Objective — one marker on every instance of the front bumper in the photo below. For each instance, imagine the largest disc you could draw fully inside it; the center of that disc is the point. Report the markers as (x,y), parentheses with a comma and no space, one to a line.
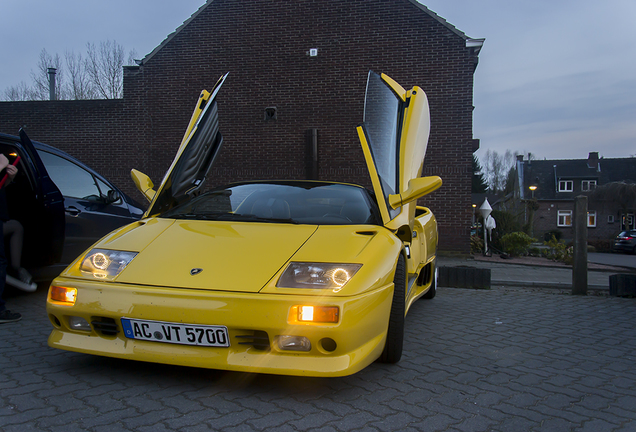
(336,349)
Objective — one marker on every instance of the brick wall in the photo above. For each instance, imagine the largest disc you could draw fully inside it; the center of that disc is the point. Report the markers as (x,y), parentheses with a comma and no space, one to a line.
(264,45)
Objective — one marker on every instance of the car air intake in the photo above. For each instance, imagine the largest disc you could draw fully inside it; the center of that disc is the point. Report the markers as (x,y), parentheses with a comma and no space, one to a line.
(258,339)
(105,326)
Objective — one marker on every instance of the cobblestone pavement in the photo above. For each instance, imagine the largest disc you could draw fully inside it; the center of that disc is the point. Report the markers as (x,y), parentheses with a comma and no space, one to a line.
(475,360)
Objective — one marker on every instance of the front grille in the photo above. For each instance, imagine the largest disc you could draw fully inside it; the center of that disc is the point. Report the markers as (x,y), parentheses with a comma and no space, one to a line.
(105,326)
(257,338)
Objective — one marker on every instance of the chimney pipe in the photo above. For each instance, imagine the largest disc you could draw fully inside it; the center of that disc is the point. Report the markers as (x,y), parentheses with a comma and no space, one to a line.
(592,161)
(52,72)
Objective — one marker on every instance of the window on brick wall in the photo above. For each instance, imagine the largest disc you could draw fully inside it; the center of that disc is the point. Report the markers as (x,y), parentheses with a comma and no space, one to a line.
(588,185)
(566,185)
(591,219)
(564,218)
(610,219)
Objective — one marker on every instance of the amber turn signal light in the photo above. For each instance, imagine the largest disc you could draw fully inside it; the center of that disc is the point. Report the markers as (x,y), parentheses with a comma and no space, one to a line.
(314,314)
(63,294)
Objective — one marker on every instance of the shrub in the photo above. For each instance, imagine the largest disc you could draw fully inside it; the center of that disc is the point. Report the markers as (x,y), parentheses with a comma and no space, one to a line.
(506,224)
(552,233)
(558,251)
(476,244)
(601,245)
(516,243)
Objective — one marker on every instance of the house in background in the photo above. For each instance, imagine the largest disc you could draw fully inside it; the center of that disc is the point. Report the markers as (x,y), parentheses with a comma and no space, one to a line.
(547,189)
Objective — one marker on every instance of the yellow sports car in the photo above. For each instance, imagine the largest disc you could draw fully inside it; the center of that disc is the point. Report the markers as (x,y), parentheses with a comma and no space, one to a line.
(283,277)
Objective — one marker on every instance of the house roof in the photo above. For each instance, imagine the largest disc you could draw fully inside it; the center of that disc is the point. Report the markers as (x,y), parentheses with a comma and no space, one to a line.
(545,174)
(475,44)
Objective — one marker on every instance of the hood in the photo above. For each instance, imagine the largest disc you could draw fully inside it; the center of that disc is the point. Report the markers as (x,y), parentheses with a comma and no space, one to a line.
(231,256)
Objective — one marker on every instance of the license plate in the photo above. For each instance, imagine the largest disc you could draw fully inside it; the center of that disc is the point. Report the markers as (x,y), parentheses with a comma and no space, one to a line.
(176,333)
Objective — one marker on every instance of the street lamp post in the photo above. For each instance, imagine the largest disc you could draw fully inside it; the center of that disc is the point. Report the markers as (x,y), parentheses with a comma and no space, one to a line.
(485,211)
(532,188)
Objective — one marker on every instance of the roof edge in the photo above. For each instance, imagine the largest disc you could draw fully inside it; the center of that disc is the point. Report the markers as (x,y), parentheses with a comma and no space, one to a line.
(174,33)
(442,21)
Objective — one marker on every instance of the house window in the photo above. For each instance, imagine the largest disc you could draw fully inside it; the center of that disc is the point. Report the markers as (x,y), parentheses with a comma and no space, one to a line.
(566,185)
(564,218)
(588,185)
(610,219)
(591,219)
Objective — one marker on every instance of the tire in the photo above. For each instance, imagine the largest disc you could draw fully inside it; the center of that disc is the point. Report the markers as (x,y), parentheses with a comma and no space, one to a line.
(395,334)
(433,290)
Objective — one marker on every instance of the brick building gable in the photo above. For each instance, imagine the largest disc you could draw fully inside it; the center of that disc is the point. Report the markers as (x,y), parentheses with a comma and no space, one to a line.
(265,46)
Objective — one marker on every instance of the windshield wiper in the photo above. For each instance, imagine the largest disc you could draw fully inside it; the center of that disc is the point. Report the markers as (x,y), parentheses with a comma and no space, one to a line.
(254,218)
(230,217)
(196,216)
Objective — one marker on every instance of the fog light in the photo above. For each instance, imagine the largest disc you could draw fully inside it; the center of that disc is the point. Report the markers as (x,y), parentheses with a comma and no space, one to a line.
(293,343)
(313,314)
(63,295)
(78,323)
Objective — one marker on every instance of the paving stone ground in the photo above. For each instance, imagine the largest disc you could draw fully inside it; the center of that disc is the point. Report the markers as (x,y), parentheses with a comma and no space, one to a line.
(503,360)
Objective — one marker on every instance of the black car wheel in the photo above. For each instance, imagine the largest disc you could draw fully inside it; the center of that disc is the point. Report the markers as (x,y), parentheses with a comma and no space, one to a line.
(395,335)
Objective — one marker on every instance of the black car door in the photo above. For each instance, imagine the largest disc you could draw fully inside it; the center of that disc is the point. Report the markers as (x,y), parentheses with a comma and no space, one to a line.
(92,207)
(35,201)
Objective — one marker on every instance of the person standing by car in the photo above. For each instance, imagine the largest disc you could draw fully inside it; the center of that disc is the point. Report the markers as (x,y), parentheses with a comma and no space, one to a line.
(5,314)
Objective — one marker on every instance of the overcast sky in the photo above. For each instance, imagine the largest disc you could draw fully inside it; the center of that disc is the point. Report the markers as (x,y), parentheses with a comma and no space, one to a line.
(555,78)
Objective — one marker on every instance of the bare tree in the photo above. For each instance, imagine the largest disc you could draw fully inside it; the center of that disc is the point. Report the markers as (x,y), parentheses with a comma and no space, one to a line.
(497,169)
(98,75)
(79,85)
(104,66)
(20,92)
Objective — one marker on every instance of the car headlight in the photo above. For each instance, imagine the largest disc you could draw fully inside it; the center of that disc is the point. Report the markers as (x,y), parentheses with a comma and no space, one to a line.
(106,264)
(317,275)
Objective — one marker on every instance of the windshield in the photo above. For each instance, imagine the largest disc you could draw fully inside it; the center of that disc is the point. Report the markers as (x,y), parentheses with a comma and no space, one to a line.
(312,203)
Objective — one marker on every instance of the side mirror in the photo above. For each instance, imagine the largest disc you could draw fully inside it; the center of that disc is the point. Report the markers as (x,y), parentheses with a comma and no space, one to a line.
(113,196)
(144,184)
(418,187)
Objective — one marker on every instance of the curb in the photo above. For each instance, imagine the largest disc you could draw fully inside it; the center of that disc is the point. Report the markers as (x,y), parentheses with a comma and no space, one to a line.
(558,285)
(526,284)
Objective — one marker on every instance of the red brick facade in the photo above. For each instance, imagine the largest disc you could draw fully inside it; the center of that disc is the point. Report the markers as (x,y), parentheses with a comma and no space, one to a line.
(265,46)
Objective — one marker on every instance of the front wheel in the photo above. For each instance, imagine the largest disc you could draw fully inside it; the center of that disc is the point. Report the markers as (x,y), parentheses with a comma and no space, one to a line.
(395,335)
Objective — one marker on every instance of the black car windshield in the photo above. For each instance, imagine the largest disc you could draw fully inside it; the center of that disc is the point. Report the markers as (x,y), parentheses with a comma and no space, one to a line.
(299,202)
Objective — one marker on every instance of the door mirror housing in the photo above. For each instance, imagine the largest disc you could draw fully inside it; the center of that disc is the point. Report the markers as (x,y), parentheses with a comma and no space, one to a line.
(144,184)
(112,197)
(418,187)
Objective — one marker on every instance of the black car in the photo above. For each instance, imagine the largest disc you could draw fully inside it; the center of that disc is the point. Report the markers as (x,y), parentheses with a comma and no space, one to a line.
(625,242)
(63,205)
